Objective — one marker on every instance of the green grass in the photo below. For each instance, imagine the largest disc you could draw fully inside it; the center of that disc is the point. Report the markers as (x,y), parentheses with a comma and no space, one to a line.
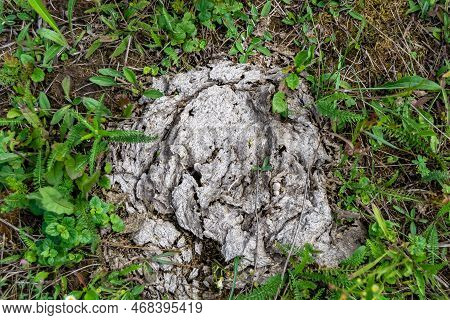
(392,128)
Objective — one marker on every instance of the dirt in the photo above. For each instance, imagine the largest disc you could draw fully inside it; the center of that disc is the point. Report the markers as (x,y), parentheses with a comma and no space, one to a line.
(385,43)
(11,218)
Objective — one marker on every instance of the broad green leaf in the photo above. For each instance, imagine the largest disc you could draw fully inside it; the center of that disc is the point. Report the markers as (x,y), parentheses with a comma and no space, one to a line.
(75,166)
(58,115)
(233,51)
(304,58)
(26,59)
(292,81)
(94,46)
(420,283)
(86,183)
(153,94)
(66,84)
(30,256)
(356,15)
(41,276)
(44,103)
(23,33)
(55,174)
(108,168)
(153,70)
(191,45)
(53,36)
(103,81)
(264,51)
(95,106)
(137,290)
(116,223)
(54,201)
(121,47)
(244,58)
(412,83)
(38,75)
(31,116)
(266,9)
(7,157)
(13,113)
(51,53)
(104,183)
(239,46)
(91,294)
(166,18)
(110,23)
(254,12)
(279,104)
(63,232)
(52,230)
(110,72)
(129,75)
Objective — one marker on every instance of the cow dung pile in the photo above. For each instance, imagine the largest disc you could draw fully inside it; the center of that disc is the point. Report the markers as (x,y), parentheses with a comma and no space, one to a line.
(225,178)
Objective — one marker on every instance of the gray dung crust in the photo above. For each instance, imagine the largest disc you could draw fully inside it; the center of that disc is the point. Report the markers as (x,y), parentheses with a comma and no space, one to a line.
(196,187)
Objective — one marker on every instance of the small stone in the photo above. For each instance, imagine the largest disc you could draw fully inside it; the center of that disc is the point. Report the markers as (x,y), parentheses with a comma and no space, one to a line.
(193,274)
(186,254)
(276,189)
(198,246)
(181,243)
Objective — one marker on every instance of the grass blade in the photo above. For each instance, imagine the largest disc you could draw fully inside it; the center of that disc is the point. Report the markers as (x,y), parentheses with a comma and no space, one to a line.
(70,7)
(39,7)
(53,36)
(121,47)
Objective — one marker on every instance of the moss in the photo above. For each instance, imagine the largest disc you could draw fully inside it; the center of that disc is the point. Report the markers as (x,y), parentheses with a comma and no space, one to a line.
(383,11)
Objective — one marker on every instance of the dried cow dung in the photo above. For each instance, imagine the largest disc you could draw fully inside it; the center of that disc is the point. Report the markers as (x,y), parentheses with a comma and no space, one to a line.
(197,186)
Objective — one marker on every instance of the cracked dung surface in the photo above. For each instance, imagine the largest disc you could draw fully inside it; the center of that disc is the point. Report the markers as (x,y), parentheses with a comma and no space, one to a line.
(195,187)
